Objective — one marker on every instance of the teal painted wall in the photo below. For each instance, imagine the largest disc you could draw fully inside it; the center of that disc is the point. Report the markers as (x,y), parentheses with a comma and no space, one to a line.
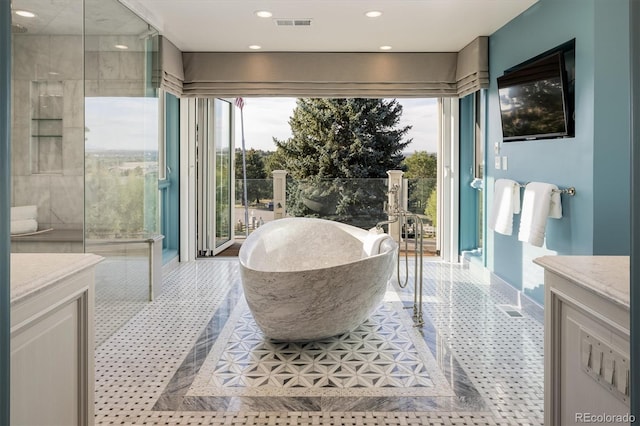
(595,161)
(468,231)
(171,198)
(611,167)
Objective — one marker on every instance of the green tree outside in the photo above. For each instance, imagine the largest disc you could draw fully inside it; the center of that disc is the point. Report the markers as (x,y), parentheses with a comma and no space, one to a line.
(422,178)
(337,147)
(258,185)
(113,198)
(431,210)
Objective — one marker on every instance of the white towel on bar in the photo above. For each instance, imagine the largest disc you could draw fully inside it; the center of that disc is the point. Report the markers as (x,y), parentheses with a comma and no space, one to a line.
(541,200)
(506,203)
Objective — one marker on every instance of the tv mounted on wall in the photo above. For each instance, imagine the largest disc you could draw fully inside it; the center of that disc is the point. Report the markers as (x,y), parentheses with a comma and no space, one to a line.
(534,100)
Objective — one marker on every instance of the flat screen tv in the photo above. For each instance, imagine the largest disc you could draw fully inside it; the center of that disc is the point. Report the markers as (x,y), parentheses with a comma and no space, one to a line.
(533,100)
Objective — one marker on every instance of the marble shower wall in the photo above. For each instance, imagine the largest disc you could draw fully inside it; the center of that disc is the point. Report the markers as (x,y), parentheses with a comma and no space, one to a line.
(51,71)
(113,72)
(48,128)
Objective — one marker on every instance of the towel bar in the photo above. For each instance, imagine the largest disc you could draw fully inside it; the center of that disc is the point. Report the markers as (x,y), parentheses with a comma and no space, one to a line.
(569,191)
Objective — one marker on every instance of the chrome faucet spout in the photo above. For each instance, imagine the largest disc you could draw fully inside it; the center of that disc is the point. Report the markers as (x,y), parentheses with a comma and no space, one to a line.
(393,219)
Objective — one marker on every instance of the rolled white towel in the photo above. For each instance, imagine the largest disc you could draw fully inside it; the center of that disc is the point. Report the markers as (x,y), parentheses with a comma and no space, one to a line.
(24,226)
(24,213)
(372,242)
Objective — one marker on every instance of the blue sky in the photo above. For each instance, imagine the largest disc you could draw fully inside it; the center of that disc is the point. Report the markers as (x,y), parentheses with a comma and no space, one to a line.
(265,118)
(121,123)
(132,123)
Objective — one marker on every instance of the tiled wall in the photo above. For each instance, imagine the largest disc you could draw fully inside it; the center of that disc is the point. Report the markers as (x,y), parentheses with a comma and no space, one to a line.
(113,72)
(48,170)
(52,179)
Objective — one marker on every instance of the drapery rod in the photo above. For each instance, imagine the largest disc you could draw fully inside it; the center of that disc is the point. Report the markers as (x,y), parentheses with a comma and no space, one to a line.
(570,191)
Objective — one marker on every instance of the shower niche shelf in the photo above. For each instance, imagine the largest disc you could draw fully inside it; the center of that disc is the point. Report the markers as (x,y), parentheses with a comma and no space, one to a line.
(46,127)
(46,145)
(47,108)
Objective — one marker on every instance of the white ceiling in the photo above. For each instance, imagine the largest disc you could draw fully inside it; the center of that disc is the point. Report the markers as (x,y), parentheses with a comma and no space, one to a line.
(65,17)
(337,25)
(231,25)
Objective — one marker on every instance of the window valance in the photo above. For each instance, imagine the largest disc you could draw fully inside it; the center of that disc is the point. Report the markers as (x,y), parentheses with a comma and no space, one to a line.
(325,74)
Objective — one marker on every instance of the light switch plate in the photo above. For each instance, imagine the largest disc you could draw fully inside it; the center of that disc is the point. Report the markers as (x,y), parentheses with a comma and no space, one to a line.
(497,160)
(504,162)
(605,363)
(622,374)
(596,360)
(609,366)
(586,353)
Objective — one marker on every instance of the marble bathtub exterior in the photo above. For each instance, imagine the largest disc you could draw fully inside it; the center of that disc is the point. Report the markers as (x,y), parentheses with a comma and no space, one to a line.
(306,279)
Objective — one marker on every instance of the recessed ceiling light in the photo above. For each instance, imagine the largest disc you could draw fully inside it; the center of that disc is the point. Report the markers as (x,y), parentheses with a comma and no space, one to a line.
(255,47)
(121,46)
(25,14)
(373,14)
(264,14)
(385,47)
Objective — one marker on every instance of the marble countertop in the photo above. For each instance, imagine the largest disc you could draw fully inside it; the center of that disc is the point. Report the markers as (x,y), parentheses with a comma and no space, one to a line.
(608,276)
(32,273)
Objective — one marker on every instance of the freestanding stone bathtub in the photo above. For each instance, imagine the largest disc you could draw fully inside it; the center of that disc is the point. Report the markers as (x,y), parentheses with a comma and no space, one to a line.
(307,279)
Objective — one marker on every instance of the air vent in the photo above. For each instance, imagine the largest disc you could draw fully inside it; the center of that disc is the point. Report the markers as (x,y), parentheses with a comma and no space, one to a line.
(281,22)
(511,311)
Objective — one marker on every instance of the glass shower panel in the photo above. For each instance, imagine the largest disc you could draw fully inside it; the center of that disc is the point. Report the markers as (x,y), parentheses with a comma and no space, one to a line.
(222,138)
(121,159)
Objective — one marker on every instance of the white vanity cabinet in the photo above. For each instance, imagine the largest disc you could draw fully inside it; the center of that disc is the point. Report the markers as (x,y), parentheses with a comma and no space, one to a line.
(52,376)
(586,352)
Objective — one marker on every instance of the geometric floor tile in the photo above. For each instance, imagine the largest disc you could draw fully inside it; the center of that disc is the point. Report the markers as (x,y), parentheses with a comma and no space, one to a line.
(385,356)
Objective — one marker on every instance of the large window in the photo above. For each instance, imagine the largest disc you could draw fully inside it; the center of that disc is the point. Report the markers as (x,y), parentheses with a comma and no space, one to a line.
(121,167)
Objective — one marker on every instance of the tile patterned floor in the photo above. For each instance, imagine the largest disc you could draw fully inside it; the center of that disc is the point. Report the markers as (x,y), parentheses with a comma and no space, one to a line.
(122,290)
(384,356)
(194,357)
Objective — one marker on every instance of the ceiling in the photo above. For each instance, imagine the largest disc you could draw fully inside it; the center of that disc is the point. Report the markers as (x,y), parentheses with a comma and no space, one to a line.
(232,25)
(336,25)
(64,17)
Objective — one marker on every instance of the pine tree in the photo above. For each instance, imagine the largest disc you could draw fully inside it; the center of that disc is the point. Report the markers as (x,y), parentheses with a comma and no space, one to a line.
(337,150)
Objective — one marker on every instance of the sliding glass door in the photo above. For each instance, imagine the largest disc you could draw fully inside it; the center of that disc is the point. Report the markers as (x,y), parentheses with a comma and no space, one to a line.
(223,148)
(214,175)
